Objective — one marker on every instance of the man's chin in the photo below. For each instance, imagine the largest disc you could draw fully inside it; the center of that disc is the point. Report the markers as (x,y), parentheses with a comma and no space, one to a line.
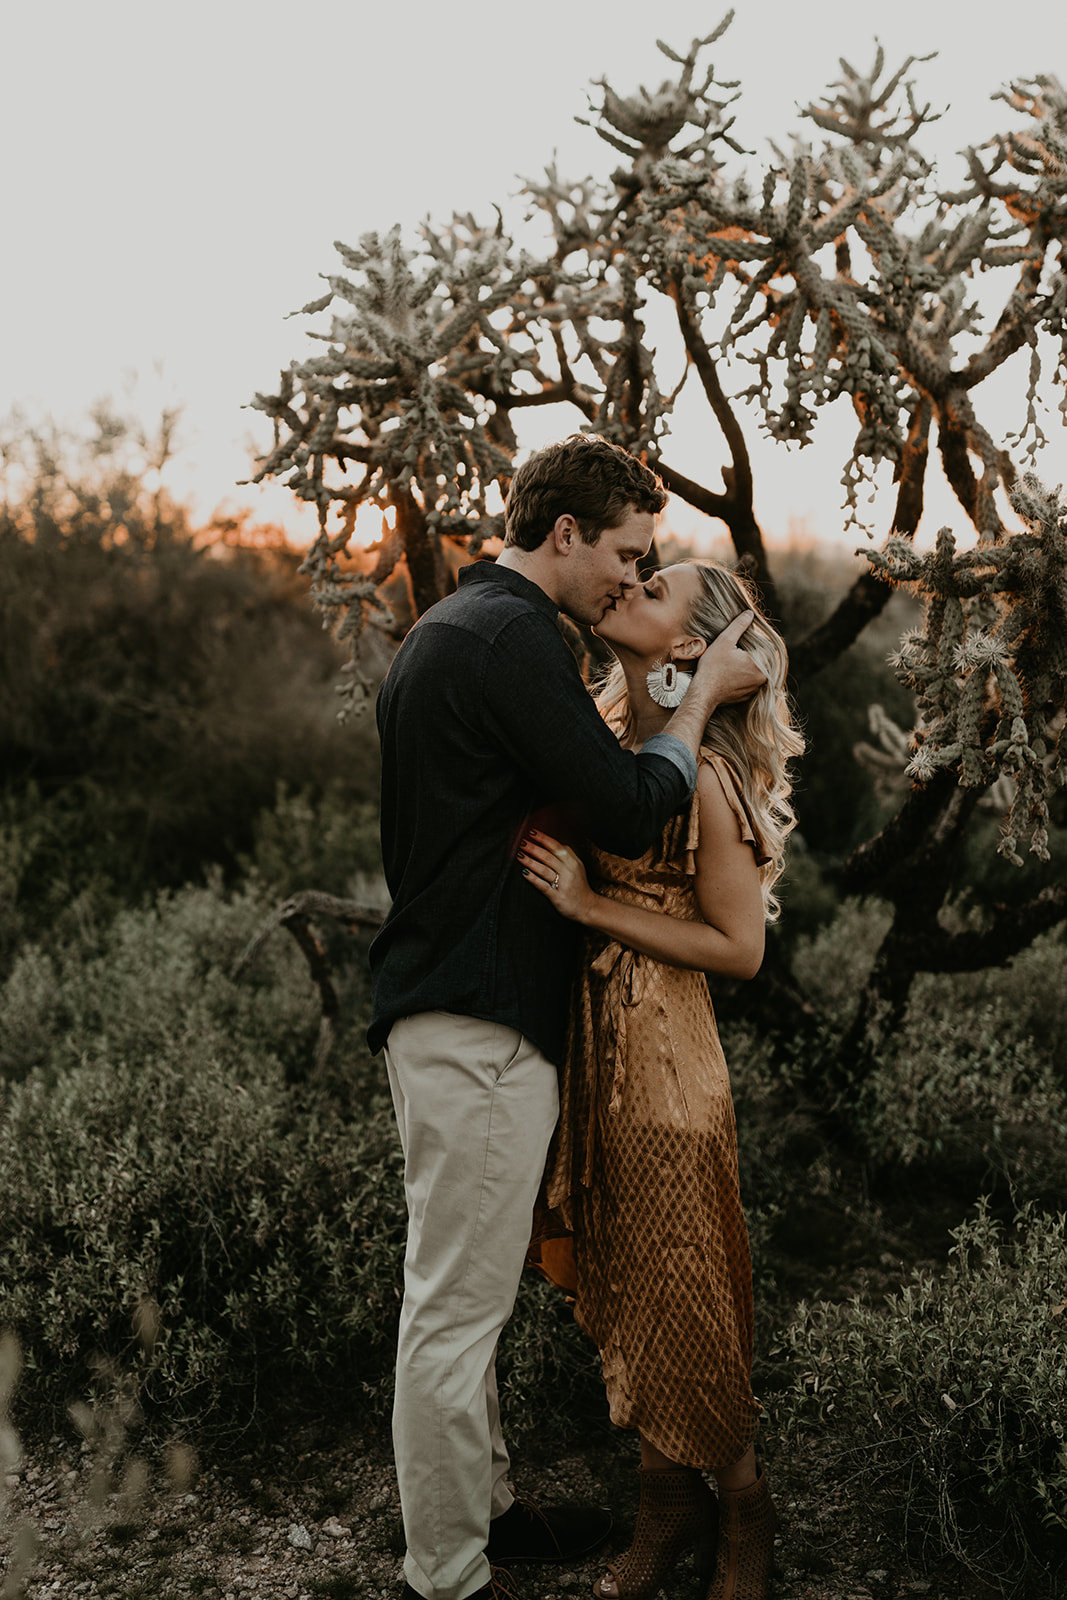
(589,616)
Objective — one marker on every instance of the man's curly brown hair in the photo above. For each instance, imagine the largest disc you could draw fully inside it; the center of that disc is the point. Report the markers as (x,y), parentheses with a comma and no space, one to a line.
(585,477)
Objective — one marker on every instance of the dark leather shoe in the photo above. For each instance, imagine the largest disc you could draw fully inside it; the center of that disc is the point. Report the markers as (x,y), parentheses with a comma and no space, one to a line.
(529,1532)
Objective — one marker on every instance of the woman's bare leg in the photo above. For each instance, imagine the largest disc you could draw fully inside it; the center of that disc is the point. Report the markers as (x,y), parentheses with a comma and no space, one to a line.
(651,1457)
(739,1476)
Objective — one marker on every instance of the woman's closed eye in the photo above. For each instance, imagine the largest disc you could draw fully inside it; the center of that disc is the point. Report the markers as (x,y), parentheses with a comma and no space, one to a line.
(651,593)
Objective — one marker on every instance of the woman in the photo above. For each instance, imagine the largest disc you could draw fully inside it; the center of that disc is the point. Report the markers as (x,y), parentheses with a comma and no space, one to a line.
(643,1169)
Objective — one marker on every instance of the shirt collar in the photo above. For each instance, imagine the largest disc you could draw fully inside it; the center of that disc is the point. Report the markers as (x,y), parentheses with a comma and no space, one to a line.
(490,572)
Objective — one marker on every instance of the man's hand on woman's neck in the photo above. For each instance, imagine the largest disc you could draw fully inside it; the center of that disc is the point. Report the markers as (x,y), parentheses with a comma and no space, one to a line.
(724,675)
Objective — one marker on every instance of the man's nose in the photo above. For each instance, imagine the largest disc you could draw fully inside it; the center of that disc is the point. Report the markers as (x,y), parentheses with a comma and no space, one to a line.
(629,577)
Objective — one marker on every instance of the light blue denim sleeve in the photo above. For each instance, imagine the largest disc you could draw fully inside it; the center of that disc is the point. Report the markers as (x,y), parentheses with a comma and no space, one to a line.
(673,750)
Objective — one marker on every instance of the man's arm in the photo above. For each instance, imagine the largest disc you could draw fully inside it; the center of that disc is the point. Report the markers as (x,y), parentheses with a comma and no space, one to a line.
(541,713)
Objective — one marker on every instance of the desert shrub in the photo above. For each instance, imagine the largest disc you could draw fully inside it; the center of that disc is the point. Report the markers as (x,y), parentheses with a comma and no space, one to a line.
(973,1080)
(156,1154)
(832,964)
(219,1241)
(256,1239)
(810,898)
(323,841)
(162,975)
(953,1103)
(975,1076)
(948,1399)
(49,885)
(548,1371)
(157,683)
(1017,1003)
(109,978)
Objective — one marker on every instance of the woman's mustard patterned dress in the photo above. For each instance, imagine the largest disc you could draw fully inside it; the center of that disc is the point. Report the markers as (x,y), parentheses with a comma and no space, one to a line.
(643,1171)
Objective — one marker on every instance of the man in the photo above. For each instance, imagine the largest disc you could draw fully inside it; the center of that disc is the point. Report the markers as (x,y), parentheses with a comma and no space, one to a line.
(485,722)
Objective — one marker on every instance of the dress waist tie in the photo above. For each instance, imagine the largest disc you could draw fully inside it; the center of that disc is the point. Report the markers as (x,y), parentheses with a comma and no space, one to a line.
(627,978)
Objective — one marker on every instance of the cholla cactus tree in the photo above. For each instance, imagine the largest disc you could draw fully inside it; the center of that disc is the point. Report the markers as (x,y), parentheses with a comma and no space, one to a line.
(842,274)
(845,275)
(397,395)
(989,671)
(989,666)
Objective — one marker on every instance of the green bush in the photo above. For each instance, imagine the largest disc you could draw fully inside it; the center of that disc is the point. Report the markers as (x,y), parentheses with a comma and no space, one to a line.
(959,1089)
(1023,1001)
(326,841)
(949,1399)
(110,979)
(257,1239)
(256,1234)
(974,1077)
(548,1371)
(167,1163)
(163,975)
(157,684)
(810,899)
(154,1152)
(831,966)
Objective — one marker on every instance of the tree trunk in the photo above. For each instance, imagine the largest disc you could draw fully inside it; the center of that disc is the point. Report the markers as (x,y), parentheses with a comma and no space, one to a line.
(744,530)
(869,595)
(428,575)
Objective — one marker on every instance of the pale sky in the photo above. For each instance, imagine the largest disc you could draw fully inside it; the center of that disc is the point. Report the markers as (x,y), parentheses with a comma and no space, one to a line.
(175,175)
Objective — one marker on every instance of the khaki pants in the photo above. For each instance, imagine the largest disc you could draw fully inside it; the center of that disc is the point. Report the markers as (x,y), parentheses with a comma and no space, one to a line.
(475,1103)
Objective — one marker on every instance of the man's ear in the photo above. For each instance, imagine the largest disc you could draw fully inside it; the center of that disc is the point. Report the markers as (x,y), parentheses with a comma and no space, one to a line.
(690,649)
(564,535)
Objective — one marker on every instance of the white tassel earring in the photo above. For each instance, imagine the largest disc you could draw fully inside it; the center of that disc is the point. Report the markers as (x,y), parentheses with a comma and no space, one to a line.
(667,685)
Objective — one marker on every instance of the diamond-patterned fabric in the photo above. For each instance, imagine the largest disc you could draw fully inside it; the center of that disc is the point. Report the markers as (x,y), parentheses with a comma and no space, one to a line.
(643,1171)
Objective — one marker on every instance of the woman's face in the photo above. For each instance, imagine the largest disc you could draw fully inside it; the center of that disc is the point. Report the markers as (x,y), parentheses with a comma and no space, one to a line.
(652,618)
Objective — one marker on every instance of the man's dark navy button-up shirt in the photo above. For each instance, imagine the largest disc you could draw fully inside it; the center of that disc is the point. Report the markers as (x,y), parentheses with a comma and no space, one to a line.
(486,728)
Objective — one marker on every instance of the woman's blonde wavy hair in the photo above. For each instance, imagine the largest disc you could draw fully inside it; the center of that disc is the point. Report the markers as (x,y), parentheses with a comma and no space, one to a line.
(757,737)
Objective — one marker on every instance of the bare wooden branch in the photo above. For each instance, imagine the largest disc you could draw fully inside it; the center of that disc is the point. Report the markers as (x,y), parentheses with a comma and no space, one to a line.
(309,903)
(293,915)
(1013,929)
(426,569)
(745,531)
(896,842)
(565,390)
(693,493)
(697,350)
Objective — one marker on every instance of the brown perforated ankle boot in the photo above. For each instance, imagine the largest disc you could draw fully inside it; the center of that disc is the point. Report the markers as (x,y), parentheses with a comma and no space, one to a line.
(676,1513)
(747,1520)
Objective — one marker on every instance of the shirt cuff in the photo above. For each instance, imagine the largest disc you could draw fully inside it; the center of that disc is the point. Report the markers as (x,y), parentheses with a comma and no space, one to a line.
(673,750)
